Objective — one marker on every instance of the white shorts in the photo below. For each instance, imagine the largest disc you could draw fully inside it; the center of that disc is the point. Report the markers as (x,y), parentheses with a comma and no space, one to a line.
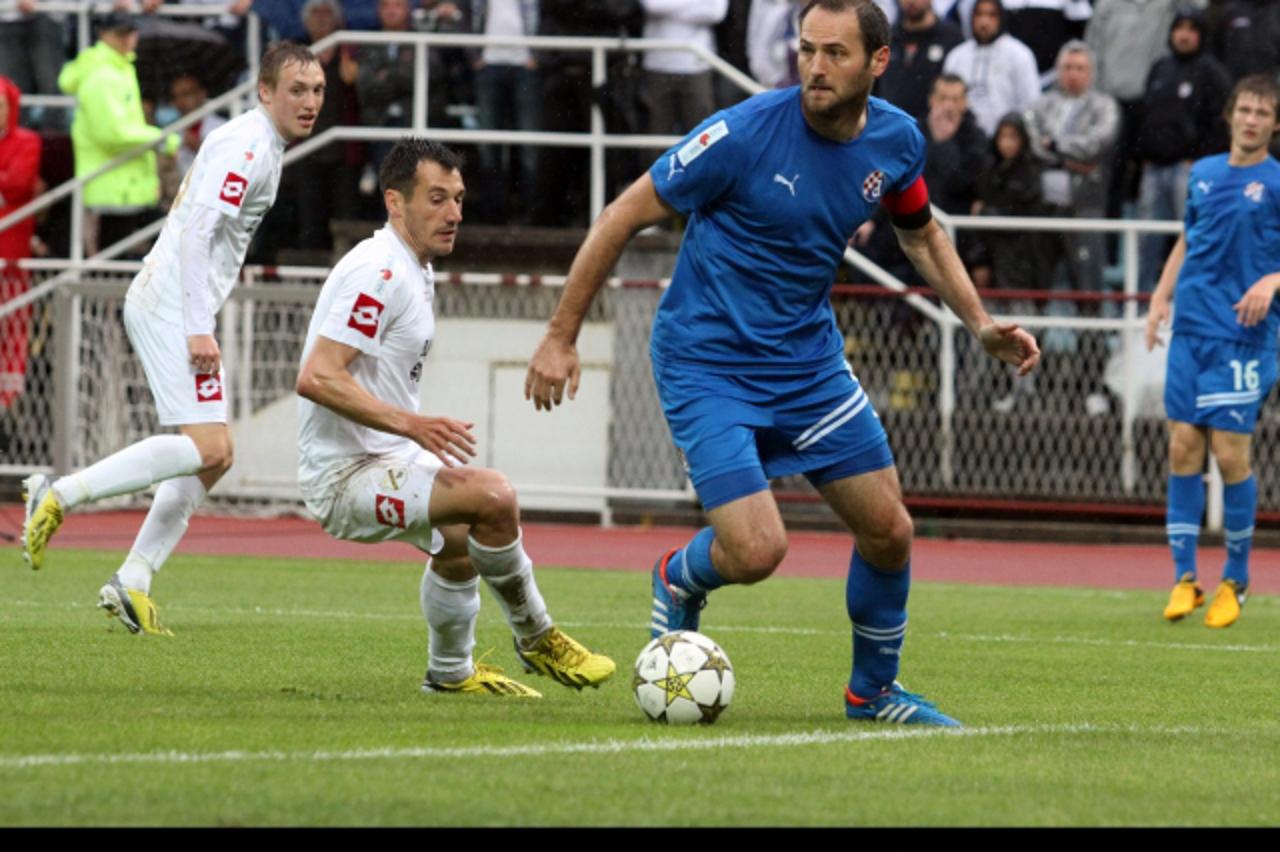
(183,397)
(384,498)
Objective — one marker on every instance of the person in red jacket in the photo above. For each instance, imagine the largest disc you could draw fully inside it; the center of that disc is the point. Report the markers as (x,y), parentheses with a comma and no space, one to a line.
(19,176)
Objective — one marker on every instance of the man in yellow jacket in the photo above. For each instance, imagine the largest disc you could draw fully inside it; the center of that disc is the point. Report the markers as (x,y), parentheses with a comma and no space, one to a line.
(109,121)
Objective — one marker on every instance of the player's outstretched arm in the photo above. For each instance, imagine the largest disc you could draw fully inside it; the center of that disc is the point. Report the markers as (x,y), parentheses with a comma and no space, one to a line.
(931,252)
(326,380)
(554,367)
(1162,299)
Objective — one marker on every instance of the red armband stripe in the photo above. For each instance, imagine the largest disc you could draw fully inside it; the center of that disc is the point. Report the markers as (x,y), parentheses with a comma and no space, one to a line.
(909,201)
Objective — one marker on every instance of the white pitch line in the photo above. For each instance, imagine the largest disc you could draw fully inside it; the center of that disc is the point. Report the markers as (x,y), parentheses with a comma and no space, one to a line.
(607,747)
(1107,643)
(720,628)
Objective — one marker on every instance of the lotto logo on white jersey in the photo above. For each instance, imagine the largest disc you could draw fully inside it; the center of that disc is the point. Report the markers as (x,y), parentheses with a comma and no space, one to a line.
(365,316)
(233,189)
(208,387)
(390,511)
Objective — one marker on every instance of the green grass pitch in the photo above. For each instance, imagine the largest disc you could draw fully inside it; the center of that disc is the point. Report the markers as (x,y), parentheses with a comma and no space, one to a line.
(289,696)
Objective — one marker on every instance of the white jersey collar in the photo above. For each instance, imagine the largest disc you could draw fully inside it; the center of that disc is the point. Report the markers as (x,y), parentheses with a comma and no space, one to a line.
(275,133)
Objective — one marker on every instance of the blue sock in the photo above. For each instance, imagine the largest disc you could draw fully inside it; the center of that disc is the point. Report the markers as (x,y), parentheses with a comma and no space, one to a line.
(1239,506)
(691,568)
(1184,509)
(877,604)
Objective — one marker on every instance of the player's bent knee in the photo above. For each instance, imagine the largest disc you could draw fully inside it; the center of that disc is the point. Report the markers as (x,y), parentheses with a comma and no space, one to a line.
(757,559)
(889,546)
(496,499)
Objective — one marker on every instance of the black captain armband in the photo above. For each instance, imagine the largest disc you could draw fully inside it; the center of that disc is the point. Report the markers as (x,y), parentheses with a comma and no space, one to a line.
(910,208)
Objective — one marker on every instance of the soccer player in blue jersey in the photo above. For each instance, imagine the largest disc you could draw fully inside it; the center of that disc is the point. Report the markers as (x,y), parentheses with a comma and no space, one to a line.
(1225,268)
(749,363)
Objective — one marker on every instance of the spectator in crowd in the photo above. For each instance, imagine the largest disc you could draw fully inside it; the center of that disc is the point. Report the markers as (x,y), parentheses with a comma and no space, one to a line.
(567,94)
(999,70)
(1247,39)
(19,183)
(958,149)
(1045,25)
(187,94)
(918,46)
(773,36)
(30,47)
(1127,37)
(383,78)
(1183,103)
(1076,127)
(506,82)
(679,84)
(109,120)
(1075,131)
(1010,260)
(283,18)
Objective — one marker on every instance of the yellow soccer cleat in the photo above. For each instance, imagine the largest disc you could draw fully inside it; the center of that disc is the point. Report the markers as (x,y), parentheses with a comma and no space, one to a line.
(562,658)
(1227,602)
(43,517)
(1184,598)
(135,609)
(485,680)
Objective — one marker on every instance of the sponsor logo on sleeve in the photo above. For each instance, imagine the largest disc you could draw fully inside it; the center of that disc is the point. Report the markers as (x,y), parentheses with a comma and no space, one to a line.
(208,387)
(365,315)
(694,148)
(233,189)
(390,511)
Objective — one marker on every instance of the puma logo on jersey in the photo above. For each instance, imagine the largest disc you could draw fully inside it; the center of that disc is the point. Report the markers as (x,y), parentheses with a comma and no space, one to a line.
(365,315)
(390,511)
(673,168)
(1204,186)
(208,387)
(233,189)
(789,184)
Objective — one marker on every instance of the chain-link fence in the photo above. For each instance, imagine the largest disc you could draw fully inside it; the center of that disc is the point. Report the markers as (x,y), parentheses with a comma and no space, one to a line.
(1059,438)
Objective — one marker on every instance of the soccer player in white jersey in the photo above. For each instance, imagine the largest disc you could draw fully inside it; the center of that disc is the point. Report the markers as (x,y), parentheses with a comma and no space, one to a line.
(373,469)
(169,315)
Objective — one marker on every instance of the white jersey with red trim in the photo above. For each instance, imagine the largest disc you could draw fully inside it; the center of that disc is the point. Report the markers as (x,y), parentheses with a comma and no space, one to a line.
(236,172)
(378,299)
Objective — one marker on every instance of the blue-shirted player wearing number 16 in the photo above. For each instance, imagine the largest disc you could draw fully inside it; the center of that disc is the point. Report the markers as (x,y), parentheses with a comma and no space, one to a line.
(1222,358)
(749,363)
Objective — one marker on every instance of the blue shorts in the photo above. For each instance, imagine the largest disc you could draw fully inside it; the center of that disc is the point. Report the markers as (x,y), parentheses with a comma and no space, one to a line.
(736,432)
(1217,383)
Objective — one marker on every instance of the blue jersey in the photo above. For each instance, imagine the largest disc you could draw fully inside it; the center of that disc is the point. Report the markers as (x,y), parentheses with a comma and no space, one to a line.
(1233,238)
(771,206)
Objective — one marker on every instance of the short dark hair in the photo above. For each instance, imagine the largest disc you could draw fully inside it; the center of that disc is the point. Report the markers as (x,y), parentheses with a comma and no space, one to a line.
(871,20)
(400,166)
(279,54)
(1262,85)
(952,79)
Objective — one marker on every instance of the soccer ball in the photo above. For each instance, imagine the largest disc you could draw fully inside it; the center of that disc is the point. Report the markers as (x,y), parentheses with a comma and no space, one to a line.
(683,677)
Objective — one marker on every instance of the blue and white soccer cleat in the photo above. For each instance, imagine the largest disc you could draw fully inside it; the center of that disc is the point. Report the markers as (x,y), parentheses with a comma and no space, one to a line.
(897,706)
(673,607)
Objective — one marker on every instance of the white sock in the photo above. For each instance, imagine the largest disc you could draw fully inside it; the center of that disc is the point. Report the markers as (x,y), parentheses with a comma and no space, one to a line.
(134,468)
(176,501)
(450,609)
(509,573)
